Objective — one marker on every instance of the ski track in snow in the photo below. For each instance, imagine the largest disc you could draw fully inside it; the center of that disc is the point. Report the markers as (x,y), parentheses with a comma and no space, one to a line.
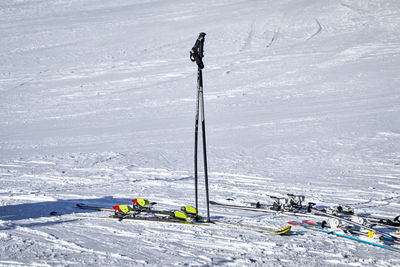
(318,30)
(97,106)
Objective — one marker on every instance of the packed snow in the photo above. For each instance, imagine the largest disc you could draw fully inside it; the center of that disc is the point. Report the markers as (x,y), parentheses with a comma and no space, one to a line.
(97,107)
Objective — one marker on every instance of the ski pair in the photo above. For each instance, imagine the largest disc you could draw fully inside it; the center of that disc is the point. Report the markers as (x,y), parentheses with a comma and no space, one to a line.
(309,211)
(352,235)
(316,213)
(334,224)
(264,209)
(142,206)
(152,215)
(293,203)
(359,224)
(349,214)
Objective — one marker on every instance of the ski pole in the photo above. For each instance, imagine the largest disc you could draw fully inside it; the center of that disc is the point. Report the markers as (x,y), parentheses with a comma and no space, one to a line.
(203,128)
(196,55)
(196,133)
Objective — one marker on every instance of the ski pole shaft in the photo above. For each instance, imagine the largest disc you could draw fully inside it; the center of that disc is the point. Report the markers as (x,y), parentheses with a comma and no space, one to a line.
(196,55)
(203,128)
(196,134)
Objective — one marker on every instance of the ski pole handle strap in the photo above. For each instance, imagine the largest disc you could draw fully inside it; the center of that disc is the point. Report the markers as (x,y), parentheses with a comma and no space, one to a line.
(197,52)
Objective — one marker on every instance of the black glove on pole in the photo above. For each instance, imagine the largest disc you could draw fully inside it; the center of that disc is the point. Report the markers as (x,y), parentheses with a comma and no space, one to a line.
(196,55)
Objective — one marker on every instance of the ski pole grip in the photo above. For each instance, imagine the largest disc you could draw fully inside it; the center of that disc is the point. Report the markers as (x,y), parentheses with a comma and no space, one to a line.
(197,52)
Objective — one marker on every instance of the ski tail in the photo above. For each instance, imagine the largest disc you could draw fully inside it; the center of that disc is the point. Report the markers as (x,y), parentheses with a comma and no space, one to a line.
(282,231)
(259,229)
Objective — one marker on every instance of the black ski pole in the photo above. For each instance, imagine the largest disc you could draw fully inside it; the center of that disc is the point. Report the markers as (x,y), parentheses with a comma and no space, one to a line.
(203,128)
(196,134)
(196,55)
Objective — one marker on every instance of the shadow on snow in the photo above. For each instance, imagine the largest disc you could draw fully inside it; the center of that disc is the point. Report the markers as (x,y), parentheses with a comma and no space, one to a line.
(59,207)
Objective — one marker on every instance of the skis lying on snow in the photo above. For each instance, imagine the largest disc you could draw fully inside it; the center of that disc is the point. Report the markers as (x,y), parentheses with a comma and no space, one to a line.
(301,213)
(345,212)
(343,222)
(354,223)
(265,209)
(352,234)
(142,210)
(292,205)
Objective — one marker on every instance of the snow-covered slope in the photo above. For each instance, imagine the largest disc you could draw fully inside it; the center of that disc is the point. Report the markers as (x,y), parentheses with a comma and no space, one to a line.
(97,105)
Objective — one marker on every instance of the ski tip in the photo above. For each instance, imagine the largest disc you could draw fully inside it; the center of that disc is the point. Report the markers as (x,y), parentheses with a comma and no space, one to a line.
(283,231)
(286,229)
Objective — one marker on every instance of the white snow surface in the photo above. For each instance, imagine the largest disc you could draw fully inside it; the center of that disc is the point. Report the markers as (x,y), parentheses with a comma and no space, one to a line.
(98,102)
